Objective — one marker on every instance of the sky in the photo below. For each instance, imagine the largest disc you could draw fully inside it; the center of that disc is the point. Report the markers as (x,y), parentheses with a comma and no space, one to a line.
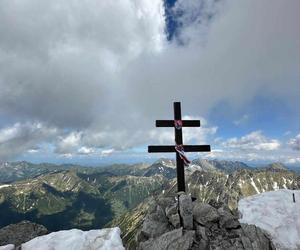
(84,81)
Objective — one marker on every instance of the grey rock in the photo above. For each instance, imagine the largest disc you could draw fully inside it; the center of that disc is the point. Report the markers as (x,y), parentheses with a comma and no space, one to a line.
(185,242)
(200,232)
(161,242)
(175,220)
(205,213)
(257,237)
(227,219)
(173,240)
(20,233)
(231,223)
(246,242)
(209,229)
(202,244)
(186,211)
(155,224)
(152,229)
(164,202)
(173,216)
(171,210)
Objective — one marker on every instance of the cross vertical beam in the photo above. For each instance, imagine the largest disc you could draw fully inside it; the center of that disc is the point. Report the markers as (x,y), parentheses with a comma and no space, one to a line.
(178,140)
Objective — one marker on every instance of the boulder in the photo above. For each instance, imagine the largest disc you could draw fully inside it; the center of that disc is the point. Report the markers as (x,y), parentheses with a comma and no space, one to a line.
(173,240)
(227,219)
(21,232)
(173,215)
(155,224)
(186,211)
(175,220)
(257,237)
(204,213)
(164,202)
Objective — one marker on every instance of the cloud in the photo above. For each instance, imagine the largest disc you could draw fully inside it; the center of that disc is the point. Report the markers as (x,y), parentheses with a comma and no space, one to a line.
(254,147)
(294,143)
(86,151)
(68,144)
(19,138)
(104,71)
(292,160)
(190,135)
(253,141)
(63,65)
(107,152)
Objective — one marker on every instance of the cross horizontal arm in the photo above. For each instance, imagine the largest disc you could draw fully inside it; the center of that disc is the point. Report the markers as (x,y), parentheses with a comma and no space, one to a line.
(161,149)
(196,148)
(170,123)
(171,149)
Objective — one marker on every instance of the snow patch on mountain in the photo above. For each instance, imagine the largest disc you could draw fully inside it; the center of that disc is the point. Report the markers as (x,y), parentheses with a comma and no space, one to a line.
(276,213)
(74,239)
(166,162)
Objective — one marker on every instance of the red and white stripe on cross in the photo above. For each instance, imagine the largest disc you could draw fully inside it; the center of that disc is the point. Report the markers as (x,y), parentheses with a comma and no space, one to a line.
(179,149)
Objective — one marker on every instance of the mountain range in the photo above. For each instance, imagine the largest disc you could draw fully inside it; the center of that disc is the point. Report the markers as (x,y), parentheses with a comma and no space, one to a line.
(68,196)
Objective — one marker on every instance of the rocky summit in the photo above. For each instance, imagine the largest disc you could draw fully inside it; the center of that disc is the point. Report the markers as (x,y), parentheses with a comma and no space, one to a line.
(185,224)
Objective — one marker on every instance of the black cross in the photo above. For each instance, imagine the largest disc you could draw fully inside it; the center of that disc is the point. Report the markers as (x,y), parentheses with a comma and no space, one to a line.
(178,140)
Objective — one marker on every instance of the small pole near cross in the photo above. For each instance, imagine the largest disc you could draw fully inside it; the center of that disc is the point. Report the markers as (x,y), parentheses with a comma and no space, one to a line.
(294,200)
(178,148)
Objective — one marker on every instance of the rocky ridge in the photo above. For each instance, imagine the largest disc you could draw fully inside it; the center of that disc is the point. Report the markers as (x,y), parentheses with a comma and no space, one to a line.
(183,224)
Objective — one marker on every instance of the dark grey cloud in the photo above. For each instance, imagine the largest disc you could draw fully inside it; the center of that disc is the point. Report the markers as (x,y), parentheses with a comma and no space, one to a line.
(21,138)
(61,60)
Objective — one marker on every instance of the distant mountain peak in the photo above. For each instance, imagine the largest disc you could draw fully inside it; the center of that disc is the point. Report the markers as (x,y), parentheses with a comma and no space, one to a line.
(166,162)
(276,166)
(220,165)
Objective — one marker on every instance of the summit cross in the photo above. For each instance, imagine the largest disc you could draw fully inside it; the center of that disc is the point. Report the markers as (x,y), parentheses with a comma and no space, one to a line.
(177,124)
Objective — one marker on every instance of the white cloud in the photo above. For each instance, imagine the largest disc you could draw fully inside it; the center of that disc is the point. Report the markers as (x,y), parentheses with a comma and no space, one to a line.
(253,147)
(107,152)
(33,151)
(86,151)
(69,143)
(293,160)
(253,141)
(294,143)
(190,135)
